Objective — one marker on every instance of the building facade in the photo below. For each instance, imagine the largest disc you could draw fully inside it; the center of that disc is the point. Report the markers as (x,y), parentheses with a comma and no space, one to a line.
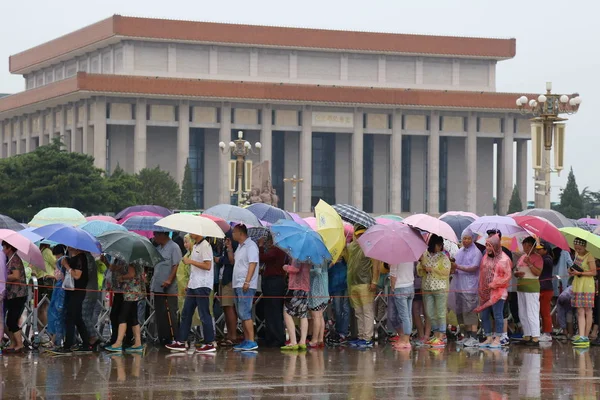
(389,123)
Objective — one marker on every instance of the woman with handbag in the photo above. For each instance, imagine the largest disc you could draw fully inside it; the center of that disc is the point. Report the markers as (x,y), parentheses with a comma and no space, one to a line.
(16,296)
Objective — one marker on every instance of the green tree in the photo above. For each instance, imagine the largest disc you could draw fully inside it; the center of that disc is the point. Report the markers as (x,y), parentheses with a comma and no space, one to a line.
(571,204)
(515,204)
(122,190)
(50,177)
(591,202)
(187,190)
(159,188)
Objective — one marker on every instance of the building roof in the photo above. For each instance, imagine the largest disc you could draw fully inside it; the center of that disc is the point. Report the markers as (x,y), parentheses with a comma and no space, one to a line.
(84,85)
(120,27)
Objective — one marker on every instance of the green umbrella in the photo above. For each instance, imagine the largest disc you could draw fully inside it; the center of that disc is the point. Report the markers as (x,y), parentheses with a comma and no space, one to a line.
(130,246)
(593,241)
(57,215)
(391,217)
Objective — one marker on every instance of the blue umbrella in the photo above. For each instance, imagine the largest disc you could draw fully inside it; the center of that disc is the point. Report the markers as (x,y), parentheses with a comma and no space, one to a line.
(98,227)
(458,223)
(150,208)
(29,234)
(233,214)
(143,223)
(266,212)
(300,242)
(70,236)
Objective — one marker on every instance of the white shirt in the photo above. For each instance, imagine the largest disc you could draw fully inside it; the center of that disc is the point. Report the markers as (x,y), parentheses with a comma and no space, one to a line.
(404,274)
(245,254)
(201,278)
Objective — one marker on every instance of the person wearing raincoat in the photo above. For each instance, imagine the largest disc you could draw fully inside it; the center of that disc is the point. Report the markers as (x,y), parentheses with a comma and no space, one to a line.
(183,277)
(495,274)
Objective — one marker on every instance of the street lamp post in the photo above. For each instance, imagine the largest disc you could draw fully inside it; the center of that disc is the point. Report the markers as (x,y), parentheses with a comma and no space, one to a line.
(547,126)
(240,148)
(294,181)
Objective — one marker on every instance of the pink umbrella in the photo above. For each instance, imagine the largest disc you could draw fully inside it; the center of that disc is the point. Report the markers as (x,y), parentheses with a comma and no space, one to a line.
(106,218)
(589,221)
(394,243)
(219,221)
(26,249)
(384,221)
(348,231)
(433,225)
(543,229)
(460,213)
(311,222)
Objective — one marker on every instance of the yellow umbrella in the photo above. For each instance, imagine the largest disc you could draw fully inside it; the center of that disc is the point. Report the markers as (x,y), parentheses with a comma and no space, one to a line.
(331,229)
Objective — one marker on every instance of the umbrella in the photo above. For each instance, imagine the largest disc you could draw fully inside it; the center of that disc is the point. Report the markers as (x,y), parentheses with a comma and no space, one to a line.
(57,215)
(331,229)
(348,231)
(139,223)
(390,217)
(459,213)
(138,214)
(106,218)
(192,224)
(158,210)
(593,240)
(267,212)
(26,249)
(70,236)
(394,243)
(543,229)
(32,236)
(257,233)
(98,227)
(384,221)
(298,219)
(432,225)
(458,223)
(354,216)
(219,221)
(450,248)
(233,214)
(9,223)
(300,242)
(589,221)
(131,247)
(559,220)
(311,222)
(506,225)
(584,225)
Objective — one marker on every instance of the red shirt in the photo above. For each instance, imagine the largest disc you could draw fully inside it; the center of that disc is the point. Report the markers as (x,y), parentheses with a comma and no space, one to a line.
(274,260)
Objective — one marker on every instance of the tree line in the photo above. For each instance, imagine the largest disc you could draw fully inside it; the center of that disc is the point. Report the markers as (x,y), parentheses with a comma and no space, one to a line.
(51,176)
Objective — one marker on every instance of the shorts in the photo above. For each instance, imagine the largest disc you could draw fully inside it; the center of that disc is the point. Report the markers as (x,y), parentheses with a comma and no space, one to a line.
(296,303)
(46,287)
(128,313)
(582,300)
(243,303)
(320,307)
(227,295)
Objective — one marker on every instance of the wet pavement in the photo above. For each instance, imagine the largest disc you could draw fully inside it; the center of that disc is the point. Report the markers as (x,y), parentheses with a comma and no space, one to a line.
(556,372)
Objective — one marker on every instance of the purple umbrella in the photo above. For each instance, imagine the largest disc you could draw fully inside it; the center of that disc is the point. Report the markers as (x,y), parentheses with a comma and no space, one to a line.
(162,211)
(394,243)
(298,219)
(506,225)
(589,221)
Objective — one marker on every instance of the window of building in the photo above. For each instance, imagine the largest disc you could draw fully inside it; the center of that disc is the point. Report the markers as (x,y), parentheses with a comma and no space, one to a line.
(515,123)
(478,126)
(466,124)
(443,188)
(368,158)
(501,125)
(273,114)
(71,70)
(30,82)
(441,122)
(49,76)
(389,121)
(323,168)
(403,122)
(83,65)
(278,166)
(95,64)
(39,80)
(427,123)
(196,162)
(58,73)
(364,119)
(405,171)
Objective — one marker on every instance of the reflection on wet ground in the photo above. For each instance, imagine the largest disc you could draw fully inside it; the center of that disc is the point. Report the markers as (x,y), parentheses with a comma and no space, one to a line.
(558,371)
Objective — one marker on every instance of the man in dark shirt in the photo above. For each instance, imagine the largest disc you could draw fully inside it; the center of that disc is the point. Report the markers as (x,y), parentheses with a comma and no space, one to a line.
(273,289)
(226,293)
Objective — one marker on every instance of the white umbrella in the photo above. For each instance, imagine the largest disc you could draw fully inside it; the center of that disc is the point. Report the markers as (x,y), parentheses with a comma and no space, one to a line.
(191,224)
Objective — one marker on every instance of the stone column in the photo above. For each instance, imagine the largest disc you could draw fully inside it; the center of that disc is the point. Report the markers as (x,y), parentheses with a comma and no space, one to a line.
(28,129)
(356,194)
(396,163)
(74,130)
(85,124)
(266,136)
(507,165)
(17,134)
(224,157)
(139,137)
(62,127)
(100,133)
(183,139)
(305,187)
(471,153)
(10,134)
(52,133)
(522,171)
(433,174)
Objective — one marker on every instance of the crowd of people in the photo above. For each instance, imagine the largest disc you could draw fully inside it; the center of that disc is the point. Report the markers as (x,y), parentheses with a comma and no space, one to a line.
(488,290)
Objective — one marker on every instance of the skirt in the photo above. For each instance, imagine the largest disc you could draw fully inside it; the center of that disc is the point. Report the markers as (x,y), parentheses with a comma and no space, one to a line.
(582,300)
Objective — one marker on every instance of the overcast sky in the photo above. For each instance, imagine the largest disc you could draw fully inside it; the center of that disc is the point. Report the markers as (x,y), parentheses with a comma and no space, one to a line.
(555,41)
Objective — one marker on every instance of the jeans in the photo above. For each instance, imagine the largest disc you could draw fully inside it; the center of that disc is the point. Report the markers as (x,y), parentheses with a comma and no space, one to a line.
(273,290)
(341,311)
(197,298)
(400,309)
(436,309)
(497,310)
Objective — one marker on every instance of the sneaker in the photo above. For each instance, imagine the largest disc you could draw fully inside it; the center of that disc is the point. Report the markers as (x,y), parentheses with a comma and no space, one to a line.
(60,351)
(575,338)
(394,338)
(240,346)
(546,337)
(246,346)
(436,343)
(471,342)
(463,341)
(112,349)
(177,346)
(505,341)
(289,347)
(83,350)
(421,342)
(364,344)
(582,341)
(354,343)
(134,349)
(207,348)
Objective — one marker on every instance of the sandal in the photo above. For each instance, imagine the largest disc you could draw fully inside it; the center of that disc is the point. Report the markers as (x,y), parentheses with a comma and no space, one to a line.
(226,343)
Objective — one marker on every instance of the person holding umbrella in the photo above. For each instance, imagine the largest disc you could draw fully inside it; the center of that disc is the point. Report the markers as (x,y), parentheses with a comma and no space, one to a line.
(16,296)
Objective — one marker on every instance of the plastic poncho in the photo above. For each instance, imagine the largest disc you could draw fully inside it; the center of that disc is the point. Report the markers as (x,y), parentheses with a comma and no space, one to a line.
(494,275)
